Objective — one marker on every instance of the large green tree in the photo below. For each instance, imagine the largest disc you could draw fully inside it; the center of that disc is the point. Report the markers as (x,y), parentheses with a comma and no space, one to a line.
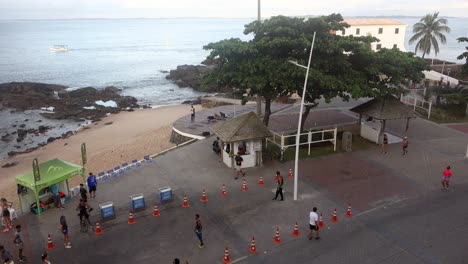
(261,65)
(464,55)
(428,32)
(343,66)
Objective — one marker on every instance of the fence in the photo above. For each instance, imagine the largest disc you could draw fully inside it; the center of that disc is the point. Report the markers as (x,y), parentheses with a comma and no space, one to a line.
(281,141)
(417,103)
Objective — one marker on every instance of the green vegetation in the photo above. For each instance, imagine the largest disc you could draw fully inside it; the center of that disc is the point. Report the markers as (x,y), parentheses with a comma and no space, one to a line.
(451,104)
(464,55)
(343,66)
(428,32)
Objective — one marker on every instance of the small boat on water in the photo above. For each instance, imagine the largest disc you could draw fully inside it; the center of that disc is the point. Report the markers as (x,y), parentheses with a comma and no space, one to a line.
(59,48)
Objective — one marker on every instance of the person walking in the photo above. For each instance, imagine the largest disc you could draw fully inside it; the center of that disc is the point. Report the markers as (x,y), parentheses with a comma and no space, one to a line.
(64,230)
(6,256)
(279,187)
(385,144)
(198,230)
(54,189)
(45,258)
(405,145)
(92,185)
(6,218)
(83,192)
(176,261)
(239,161)
(192,113)
(446,178)
(19,242)
(313,224)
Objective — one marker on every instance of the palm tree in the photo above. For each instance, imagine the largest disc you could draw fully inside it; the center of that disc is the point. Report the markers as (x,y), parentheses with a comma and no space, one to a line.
(427,32)
(464,55)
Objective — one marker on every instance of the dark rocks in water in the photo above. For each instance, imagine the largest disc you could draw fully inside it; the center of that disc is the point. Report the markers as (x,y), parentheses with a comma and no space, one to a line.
(13,125)
(22,126)
(22,96)
(191,76)
(39,121)
(26,120)
(145,106)
(67,134)
(108,123)
(52,139)
(21,134)
(164,71)
(6,138)
(65,144)
(192,102)
(43,129)
(10,164)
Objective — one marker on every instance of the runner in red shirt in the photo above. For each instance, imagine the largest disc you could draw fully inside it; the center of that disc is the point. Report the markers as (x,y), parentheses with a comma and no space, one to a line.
(446,177)
(405,145)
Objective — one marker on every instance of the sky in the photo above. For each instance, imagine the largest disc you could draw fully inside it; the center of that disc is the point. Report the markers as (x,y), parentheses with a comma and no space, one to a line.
(69,9)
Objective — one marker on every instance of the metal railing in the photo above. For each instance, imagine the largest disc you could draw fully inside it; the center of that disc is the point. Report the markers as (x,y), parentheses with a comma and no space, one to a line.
(328,135)
(417,103)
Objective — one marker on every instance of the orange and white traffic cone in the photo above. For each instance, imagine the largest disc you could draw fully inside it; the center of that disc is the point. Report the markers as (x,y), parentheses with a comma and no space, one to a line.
(226,258)
(131,220)
(296,230)
(50,244)
(290,173)
(185,204)
(253,248)
(244,186)
(260,182)
(334,217)
(156,211)
(98,230)
(320,223)
(348,212)
(203,197)
(223,191)
(277,239)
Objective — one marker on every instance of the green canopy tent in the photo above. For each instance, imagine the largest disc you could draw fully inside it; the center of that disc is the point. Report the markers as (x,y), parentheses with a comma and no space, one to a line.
(52,172)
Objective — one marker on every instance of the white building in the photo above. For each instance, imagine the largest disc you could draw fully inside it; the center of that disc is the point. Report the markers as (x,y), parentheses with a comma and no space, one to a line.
(391,33)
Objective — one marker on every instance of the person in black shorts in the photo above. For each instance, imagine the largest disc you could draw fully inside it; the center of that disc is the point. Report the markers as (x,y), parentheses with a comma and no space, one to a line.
(83,208)
(313,224)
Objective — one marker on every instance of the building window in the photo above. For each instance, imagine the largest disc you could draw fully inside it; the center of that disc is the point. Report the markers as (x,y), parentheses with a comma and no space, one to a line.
(397,30)
(380,30)
(379,46)
(358,31)
(343,32)
(395,46)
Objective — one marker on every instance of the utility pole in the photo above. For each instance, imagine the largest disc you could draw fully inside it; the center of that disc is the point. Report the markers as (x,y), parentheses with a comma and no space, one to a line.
(259,97)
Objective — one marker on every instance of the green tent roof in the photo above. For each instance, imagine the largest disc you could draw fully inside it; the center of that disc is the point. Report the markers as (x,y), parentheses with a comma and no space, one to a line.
(52,172)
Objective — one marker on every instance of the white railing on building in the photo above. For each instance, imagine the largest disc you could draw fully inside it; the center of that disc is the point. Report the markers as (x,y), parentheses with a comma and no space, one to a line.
(417,103)
(328,135)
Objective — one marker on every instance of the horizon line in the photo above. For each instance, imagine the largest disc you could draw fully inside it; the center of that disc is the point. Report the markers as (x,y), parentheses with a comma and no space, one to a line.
(188,17)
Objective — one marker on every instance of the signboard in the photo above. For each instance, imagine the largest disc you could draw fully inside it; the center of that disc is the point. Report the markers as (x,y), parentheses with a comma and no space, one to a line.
(107,211)
(165,194)
(83,153)
(137,203)
(36,170)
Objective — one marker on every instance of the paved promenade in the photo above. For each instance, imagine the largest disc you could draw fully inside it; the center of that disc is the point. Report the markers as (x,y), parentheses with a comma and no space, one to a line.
(400,213)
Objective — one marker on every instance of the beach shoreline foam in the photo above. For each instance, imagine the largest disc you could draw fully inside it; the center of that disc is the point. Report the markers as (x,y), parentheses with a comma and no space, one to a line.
(127,136)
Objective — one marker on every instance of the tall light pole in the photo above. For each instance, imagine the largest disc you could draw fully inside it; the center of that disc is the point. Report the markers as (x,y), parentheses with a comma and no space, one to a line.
(259,97)
(299,124)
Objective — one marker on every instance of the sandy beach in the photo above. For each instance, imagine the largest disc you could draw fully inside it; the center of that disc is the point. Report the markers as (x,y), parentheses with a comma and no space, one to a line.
(130,136)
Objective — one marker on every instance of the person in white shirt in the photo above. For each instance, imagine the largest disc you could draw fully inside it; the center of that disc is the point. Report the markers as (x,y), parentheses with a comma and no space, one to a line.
(313,224)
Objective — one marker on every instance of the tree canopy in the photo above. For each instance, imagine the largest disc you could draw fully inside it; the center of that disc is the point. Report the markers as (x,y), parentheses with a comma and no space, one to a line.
(464,55)
(343,66)
(428,32)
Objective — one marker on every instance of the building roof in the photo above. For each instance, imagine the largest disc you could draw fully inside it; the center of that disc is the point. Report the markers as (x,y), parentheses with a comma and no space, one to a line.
(372,22)
(386,108)
(243,127)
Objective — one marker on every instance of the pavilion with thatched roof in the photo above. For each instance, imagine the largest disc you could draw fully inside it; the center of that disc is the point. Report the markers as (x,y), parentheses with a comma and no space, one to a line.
(382,109)
(242,134)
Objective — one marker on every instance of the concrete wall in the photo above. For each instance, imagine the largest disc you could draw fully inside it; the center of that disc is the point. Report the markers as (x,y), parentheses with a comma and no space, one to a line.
(388,38)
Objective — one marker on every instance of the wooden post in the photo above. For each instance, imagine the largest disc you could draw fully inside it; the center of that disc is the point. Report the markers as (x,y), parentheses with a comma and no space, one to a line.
(407,124)
(335,135)
(429,111)
(309,139)
(382,131)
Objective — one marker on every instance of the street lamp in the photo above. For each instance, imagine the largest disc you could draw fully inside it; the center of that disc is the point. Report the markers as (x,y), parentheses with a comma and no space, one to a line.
(298,136)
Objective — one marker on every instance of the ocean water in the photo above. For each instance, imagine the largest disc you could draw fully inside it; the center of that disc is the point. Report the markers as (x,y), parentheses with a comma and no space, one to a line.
(131,54)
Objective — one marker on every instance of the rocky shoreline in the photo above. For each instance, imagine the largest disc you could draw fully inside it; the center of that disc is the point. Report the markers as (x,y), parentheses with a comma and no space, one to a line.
(35,114)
